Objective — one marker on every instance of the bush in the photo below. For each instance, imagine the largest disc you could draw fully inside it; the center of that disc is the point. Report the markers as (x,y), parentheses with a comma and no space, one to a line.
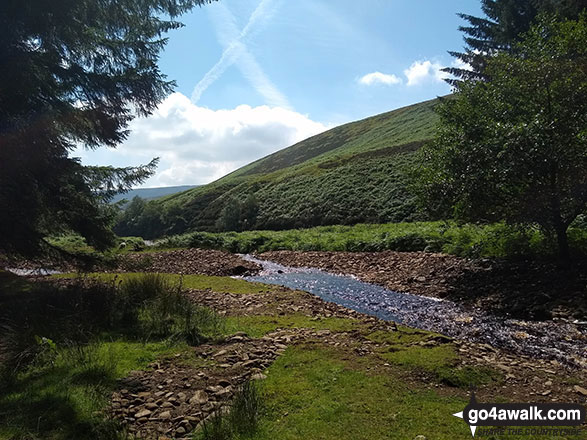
(407,243)
(173,315)
(19,348)
(145,307)
(155,308)
(465,240)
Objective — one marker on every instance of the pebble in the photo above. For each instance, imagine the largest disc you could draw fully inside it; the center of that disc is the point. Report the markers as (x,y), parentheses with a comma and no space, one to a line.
(580,390)
(143,413)
(166,415)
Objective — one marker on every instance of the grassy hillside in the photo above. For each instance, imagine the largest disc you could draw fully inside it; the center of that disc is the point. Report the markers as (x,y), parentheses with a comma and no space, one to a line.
(350,174)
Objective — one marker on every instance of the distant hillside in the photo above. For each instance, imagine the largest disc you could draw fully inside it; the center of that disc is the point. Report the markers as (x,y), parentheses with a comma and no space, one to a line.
(350,174)
(151,193)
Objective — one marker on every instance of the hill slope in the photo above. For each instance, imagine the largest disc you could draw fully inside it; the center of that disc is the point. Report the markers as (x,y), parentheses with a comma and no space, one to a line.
(349,174)
(151,193)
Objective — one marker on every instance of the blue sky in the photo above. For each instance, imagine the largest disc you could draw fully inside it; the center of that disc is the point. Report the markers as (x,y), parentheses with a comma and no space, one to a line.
(255,76)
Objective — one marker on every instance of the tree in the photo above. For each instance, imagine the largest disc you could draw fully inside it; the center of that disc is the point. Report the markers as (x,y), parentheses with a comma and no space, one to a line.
(239,215)
(503,26)
(73,72)
(514,147)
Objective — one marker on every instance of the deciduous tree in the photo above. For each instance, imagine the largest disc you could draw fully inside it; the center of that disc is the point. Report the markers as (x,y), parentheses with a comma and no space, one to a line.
(514,147)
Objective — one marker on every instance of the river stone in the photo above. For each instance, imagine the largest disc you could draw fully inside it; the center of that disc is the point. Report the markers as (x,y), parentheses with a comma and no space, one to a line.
(143,413)
(200,397)
(166,415)
(580,390)
(258,376)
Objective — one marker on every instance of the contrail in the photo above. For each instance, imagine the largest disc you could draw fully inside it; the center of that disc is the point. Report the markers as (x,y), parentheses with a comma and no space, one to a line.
(236,52)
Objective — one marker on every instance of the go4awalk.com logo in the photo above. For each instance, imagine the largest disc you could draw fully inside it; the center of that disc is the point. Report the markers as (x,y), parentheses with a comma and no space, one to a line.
(519,416)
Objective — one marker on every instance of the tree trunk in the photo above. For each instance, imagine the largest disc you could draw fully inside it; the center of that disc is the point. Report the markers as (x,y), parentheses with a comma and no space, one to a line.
(563,246)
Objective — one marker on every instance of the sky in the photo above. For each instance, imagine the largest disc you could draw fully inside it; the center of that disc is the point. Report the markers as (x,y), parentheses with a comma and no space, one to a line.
(256,76)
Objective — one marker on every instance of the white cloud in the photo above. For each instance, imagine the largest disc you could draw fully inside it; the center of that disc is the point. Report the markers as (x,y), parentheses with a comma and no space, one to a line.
(424,71)
(198,145)
(379,78)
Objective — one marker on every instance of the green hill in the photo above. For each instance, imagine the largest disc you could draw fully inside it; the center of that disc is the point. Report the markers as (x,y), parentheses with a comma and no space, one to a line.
(151,193)
(350,174)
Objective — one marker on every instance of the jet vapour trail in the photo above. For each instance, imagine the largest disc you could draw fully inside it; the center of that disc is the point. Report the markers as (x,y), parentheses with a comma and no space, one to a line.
(236,52)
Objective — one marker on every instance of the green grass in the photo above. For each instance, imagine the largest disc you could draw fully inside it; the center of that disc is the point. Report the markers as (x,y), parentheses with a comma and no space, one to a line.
(495,240)
(318,393)
(312,393)
(62,350)
(419,350)
(199,282)
(64,394)
(258,326)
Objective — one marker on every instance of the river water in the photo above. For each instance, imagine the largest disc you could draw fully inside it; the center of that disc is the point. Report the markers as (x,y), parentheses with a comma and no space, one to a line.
(563,341)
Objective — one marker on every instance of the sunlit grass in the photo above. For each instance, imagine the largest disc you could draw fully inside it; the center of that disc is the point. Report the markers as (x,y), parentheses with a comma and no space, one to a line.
(199,282)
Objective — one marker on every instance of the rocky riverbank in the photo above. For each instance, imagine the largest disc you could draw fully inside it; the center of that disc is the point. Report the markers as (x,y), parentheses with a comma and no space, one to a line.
(187,261)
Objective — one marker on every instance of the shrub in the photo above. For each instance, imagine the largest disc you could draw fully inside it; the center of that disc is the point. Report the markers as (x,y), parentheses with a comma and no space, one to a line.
(172,315)
(246,409)
(240,418)
(216,427)
(407,243)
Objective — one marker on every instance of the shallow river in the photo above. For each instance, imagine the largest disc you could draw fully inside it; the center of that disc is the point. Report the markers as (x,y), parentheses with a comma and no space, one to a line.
(564,341)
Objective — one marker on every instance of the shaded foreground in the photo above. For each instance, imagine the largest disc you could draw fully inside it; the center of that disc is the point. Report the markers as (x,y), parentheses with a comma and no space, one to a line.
(325,372)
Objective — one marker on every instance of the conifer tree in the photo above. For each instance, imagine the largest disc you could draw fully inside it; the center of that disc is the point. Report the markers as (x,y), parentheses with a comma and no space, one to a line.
(504,24)
(73,73)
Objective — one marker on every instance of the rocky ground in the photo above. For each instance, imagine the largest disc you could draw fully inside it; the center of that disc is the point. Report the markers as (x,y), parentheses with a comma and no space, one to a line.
(187,261)
(527,290)
(181,261)
(178,394)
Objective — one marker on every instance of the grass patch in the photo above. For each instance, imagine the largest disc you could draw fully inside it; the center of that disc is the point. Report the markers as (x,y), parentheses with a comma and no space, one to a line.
(315,392)
(432,353)
(312,393)
(199,282)
(258,326)
(424,358)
